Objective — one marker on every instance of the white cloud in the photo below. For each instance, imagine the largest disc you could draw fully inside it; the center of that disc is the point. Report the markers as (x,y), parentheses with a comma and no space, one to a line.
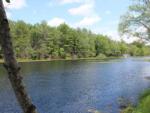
(56,21)
(84,10)
(88,21)
(113,34)
(129,40)
(15,4)
(87,11)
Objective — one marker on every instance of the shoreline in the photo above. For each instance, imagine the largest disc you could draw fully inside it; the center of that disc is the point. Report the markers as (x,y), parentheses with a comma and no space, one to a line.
(70,59)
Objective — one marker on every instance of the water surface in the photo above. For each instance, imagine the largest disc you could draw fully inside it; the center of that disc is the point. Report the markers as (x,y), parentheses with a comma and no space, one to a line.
(78,86)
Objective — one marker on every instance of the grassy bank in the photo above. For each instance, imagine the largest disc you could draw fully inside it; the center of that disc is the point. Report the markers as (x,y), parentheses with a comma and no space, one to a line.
(143,106)
(47,60)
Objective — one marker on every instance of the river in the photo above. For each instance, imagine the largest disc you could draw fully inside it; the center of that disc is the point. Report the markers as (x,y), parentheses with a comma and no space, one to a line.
(78,86)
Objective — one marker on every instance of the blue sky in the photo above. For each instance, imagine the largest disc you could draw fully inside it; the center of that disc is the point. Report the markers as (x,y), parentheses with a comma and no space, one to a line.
(100,16)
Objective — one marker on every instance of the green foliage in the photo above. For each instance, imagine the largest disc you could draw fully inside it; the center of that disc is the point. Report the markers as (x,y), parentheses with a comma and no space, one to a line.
(138,49)
(144,94)
(136,22)
(143,106)
(101,56)
(129,109)
(102,45)
(62,53)
(40,41)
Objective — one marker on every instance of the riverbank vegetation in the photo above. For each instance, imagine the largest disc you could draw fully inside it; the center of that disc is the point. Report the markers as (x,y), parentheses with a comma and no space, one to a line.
(41,41)
(143,105)
(68,59)
(136,23)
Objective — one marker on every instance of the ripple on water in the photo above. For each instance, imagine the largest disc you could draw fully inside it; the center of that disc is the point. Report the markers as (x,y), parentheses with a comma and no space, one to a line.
(78,86)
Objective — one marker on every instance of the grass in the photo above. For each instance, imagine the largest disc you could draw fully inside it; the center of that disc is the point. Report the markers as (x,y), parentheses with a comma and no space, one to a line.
(143,105)
(46,60)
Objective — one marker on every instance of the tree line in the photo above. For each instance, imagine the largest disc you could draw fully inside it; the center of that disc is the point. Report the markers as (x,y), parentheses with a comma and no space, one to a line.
(41,41)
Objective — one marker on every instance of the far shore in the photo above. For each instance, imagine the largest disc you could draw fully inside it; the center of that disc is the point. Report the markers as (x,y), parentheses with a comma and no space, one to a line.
(69,59)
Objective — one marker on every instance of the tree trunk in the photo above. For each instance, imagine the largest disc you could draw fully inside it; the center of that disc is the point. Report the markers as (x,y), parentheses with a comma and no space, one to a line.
(12,66)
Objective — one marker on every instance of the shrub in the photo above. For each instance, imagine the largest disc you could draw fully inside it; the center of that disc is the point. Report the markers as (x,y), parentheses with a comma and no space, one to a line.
(101,56)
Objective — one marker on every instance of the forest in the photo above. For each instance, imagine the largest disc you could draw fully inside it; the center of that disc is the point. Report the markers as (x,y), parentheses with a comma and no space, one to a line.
(41,41)
(93,86)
